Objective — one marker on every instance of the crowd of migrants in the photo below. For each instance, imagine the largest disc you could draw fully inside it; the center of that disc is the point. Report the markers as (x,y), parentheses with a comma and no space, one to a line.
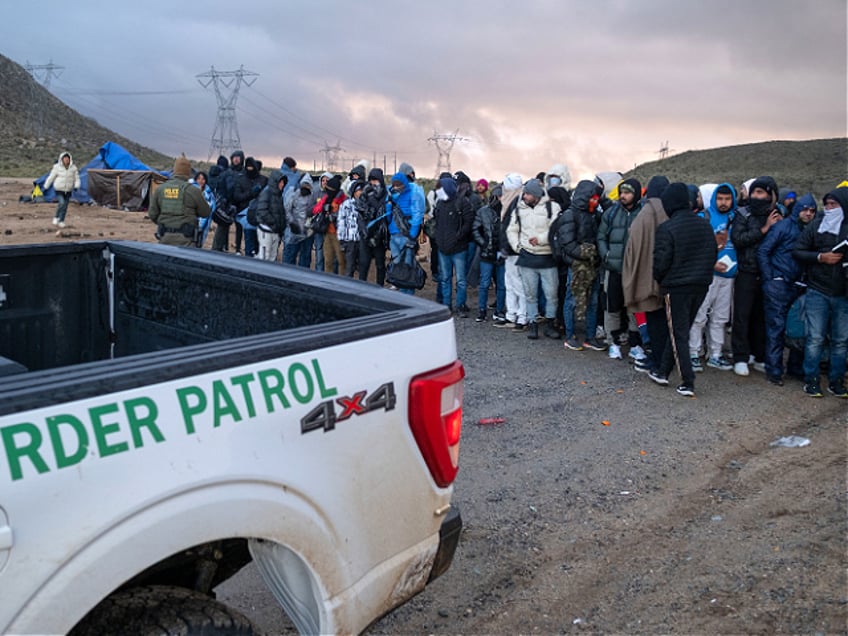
(665,271)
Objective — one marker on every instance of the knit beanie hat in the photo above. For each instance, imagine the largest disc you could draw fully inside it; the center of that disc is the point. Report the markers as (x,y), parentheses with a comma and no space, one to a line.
(334,183)
(534,188)
(182,167)
(675,197)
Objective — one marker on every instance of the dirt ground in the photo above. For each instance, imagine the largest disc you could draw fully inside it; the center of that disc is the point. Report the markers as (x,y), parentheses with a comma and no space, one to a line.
(604,503)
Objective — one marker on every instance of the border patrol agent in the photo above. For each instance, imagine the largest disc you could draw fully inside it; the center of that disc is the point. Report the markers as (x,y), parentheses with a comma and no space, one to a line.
(176,206)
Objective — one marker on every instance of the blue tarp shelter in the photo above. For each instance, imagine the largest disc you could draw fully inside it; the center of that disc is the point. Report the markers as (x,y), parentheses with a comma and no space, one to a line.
(115,177)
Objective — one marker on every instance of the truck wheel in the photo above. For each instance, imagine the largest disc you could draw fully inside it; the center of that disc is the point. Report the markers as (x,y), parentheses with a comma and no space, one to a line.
(160,610)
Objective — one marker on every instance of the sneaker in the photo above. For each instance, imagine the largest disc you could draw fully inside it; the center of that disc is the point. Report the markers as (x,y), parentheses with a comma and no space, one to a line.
(740,368)
(533,331)
(463,311)
(503,324)
(837,389)
(637,353)
(61,224)
(812,388)
(493,305)
(481,316)
(760,367)
(662,380)
(686,390)
(697,367)
(776,380)
(594,344)
(642,366)
(600,334)
(552,332)
(519,328)
(55,221)
(614,352)
(498,319)
(572,343)
(721,363)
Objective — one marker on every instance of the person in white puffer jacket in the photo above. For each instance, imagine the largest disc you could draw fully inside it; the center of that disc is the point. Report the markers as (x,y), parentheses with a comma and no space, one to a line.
(64,177)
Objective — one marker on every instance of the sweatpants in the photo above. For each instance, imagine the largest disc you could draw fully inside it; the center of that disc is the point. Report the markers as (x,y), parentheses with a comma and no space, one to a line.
(681,309)
(716,310)
(516,303)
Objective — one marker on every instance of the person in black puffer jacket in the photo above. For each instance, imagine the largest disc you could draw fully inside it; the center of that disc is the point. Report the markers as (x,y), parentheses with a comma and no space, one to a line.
(454,217)
(684,255)
(486,231)
(748,335)
(827,293)
(271,216)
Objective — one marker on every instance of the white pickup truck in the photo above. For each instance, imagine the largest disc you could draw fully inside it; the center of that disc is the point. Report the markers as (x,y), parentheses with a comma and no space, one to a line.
(168,415)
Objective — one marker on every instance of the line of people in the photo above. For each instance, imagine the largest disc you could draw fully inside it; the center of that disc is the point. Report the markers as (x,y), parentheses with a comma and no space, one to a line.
(656,270)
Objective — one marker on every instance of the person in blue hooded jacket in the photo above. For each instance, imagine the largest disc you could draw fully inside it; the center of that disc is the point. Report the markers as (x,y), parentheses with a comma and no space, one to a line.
(405,217)
(781,274)
(715,309)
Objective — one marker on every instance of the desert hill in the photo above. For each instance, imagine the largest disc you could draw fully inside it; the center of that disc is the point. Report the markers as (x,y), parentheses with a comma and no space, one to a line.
(26,153)
(816,166)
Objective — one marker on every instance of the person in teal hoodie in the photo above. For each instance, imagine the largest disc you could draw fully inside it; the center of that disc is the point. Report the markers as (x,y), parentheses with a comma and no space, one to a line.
(716,306)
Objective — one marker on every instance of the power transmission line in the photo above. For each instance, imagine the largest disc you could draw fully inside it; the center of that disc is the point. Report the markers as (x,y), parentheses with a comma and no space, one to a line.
(225,135)
(42,73)
(444,143)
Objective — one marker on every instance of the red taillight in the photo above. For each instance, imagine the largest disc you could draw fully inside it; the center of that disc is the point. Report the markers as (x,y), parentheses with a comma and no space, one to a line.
(435,417)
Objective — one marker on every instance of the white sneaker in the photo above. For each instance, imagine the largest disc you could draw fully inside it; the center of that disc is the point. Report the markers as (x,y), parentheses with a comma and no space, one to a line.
(55,221)
(759,366)
(740,368)
(637,353)
(614,352)
(61,224)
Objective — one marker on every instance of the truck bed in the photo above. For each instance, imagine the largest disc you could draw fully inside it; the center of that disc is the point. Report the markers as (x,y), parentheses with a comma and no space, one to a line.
(82,319)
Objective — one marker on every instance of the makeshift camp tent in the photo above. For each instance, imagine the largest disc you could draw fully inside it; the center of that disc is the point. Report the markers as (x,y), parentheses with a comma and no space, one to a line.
(114,178)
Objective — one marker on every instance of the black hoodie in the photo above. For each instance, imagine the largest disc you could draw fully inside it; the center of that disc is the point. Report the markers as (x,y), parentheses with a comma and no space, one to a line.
(829,280)
(579,225)
(747,229)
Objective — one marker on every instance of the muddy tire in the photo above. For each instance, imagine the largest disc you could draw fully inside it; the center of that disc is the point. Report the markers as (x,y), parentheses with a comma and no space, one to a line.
(160,610)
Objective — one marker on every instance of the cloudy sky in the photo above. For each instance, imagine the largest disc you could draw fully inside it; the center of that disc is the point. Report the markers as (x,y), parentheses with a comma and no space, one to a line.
(595,84)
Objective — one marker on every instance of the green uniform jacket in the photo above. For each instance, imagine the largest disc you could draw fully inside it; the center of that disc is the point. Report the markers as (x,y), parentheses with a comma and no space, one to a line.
(175,204)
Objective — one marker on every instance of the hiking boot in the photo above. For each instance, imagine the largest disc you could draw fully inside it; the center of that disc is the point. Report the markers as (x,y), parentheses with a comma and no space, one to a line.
(572,343)
(741,368)
(686,391)
(594,344)
(776,380)
(552,332)
(519,328)
(660,379)
(812,388)
(637,353)
(533,331)
(696,365)
(481,316)
(614,352)
(642,366)
(721,363)
(838,389)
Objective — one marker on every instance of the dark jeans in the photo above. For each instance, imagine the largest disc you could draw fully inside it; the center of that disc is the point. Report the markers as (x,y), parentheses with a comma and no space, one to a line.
(251,242)
(820,312)
(63,198)
(748,334)
(681,309)
(778,297)
(488,271)
(299,252)
(378,253)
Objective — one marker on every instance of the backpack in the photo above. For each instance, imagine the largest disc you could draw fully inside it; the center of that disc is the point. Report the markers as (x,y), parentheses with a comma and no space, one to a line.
(252,208)
(405,272)
(555,240)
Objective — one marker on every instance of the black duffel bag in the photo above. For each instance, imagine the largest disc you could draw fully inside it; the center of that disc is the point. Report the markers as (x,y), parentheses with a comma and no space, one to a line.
(405,272)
